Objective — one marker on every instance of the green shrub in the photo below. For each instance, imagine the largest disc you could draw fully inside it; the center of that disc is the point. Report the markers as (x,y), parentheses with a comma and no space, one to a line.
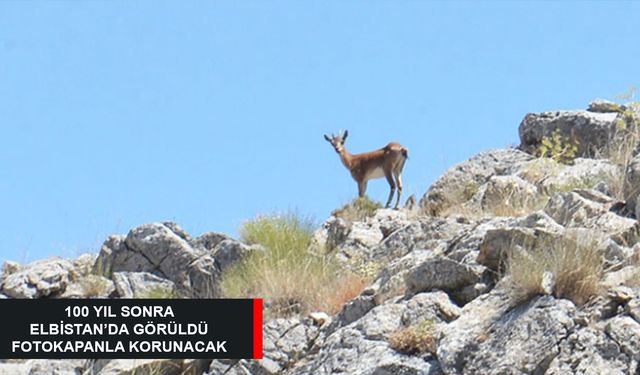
(559,148)
(283,235)
(290,278)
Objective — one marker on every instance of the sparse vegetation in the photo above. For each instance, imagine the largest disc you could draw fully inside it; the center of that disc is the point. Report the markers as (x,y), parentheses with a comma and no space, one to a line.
(453,202)
(509,201)
(623,147)
(576,183)
(94,285)
(538,170)
(415,339)
(289,277)
(515,202)
(559,148)
(350,287)
(358,210)
(569,267)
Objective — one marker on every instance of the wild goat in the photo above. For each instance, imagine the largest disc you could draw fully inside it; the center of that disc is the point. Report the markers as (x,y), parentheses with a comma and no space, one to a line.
(385,162)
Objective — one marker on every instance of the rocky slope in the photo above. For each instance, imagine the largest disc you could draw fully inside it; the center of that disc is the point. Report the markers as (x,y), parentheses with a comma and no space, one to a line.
(443,262)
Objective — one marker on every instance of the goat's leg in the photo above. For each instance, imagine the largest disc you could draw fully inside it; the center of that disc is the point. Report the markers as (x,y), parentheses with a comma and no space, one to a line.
(399,183)
(362,188)
(392,187)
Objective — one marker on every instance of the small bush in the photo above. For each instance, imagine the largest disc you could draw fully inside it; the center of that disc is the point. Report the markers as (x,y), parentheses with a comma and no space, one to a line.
(416,339)
(289,277)
(569,267)
(559,148)
(358,209)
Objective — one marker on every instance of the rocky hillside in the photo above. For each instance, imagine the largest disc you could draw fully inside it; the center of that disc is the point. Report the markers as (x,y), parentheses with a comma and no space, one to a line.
(516,261)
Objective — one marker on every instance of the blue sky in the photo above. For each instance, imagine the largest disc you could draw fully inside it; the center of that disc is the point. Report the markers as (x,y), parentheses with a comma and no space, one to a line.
(115,113)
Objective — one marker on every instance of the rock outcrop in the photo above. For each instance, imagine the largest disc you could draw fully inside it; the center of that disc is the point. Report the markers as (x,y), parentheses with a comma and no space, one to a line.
(444,265)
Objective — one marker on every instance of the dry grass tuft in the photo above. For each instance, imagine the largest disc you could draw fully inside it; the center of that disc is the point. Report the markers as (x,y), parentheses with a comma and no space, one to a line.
(290,278)
(517,205)
(452,202)
(416,339)
(358,209)
(540,169)
(569,267)
(349,287)
(621,149)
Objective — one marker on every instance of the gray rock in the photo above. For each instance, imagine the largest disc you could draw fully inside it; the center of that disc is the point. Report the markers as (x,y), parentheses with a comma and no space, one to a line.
(56,367)
(465,245)
(625,331)
(589,131)
(43,278)
(224,249)
(285,342)
(525,340)
(461,337)
(141,366)
(442,273)
(433,234)
(352,311)
(10,267)
(460,183)
(163,250)
(390,282)
(139,284)
(347,351)
(582,174)
(581,209)
(604,106)
(632,187)
(508,196)
(210,241)
(633,307)
(334,232)
(115,256)
(89,286)
(381,321)
(499,243)
(589,351)
(229,252)
(44,367)
(434,306)
(351,241)
(361,348)
(14,368)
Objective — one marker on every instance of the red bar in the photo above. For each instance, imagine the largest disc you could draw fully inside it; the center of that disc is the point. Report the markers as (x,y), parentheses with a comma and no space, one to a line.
(257,328)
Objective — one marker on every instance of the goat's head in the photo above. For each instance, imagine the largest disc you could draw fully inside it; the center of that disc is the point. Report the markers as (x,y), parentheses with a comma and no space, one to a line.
(337,141)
